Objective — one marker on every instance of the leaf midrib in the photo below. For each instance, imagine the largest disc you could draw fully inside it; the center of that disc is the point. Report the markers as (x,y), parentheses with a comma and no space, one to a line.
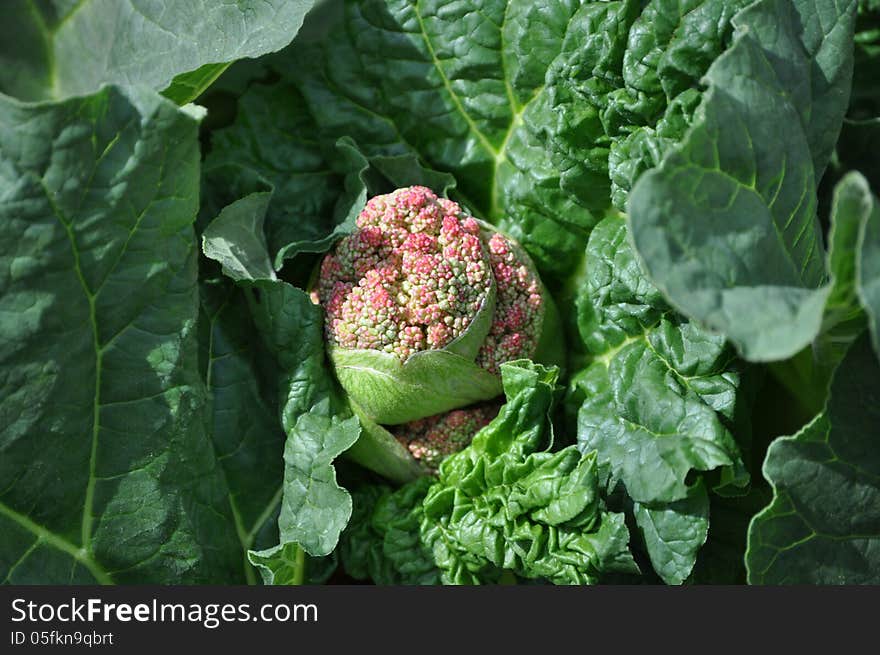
(44,535)
(86,523)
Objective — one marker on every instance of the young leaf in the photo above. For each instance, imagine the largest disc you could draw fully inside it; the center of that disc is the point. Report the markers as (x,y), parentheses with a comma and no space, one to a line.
(505,503)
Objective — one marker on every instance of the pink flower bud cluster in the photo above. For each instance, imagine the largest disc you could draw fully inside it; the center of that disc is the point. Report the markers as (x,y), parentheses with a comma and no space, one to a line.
(430,440)
(411,278)
(519,307)
(415,273)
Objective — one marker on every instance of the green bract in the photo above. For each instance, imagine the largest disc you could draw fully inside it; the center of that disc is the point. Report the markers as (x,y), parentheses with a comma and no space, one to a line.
(423,303)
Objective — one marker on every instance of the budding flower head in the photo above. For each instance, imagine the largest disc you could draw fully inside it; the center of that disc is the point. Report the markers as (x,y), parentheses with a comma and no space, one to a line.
(519,309)
(423,303)
(410,278)
(430,440)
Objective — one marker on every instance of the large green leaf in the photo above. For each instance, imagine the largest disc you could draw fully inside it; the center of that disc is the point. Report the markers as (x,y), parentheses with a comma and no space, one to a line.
(656,401)
(107,473)
(823,526)
(53,50)
(727,225)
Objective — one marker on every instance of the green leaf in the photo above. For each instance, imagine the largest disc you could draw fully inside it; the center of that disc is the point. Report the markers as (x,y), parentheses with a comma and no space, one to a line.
(823,526)
(430,382)
(720,560)
(245,427)
(284,564)
(749,168)
(504,503)
(289,565)
(674,533)
(656,401)
(236,239)
(397,517)
(852,208)
(360,546)
(382,542)
(107,474)
(626,86)
(379,451)
(59,50)
(319,425)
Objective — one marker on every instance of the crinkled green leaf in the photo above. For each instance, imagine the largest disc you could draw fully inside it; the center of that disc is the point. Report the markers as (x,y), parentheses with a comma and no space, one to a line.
(52,50)
(656,402)
(107,472)
(382,542)
(503,503)
(627,84)
(397,517)
(674,533)
(360,546)
(823,526)
(748,170)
